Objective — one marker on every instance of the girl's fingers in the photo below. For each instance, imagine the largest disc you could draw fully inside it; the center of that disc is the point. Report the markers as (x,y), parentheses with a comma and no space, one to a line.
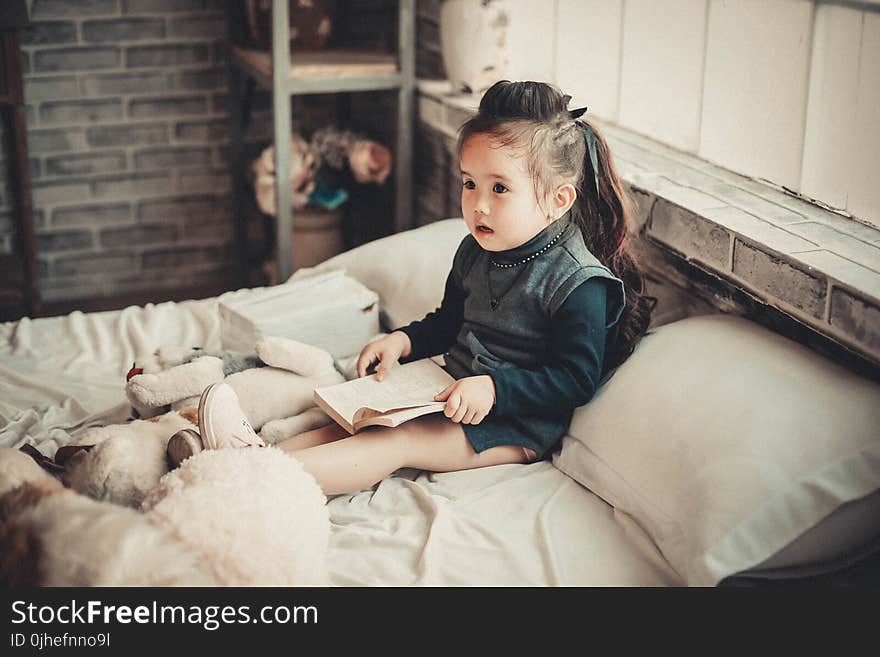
(441,396)
(364,362)
(462,410)
(452,405)
(469,418)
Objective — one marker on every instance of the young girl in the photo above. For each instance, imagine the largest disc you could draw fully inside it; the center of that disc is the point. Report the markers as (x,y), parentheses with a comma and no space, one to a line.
(543,300)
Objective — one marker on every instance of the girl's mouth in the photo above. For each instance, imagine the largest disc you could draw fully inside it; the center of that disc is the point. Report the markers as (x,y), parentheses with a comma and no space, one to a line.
(484,229)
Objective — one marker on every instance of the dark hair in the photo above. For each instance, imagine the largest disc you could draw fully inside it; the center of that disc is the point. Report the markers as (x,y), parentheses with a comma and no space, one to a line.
(533,117)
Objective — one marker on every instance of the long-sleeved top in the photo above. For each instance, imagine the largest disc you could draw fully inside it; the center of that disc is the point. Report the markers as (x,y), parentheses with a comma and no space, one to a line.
(534,318)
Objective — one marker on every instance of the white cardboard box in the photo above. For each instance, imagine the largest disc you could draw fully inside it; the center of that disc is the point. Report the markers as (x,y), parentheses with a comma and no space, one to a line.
(329,310)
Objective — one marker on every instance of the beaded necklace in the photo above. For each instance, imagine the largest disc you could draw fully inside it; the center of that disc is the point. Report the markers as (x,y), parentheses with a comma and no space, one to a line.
(495,300)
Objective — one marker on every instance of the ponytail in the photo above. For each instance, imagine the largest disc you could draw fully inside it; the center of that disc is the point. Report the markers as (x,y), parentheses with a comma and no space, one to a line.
(604,220)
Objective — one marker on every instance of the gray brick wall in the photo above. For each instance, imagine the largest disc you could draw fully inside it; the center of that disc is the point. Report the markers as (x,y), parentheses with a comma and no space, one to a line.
(128,136)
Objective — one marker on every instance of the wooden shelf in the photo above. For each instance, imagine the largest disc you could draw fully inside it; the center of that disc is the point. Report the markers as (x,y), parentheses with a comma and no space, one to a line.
(325,71)
(335,70)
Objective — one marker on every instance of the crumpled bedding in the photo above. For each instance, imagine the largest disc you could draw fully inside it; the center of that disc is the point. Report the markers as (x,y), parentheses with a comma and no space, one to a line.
(509,525)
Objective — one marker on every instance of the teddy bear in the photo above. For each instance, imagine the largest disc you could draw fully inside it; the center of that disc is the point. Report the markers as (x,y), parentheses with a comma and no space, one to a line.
(121,463)
(235,517)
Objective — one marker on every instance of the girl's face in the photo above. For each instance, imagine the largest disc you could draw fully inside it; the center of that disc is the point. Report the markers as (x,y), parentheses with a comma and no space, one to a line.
(498,199)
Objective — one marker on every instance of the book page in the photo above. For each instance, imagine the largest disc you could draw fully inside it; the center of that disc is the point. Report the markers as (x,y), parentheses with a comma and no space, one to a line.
(408,385)
(398,417)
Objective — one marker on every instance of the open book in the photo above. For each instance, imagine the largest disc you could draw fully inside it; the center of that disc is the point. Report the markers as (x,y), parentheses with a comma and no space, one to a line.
(406,392)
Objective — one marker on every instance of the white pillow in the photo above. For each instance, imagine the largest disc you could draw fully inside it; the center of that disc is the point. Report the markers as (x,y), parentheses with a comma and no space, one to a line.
(726,442)
(407,270)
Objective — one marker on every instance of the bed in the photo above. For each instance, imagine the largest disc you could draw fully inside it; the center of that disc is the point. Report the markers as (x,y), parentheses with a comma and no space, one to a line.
(718,450)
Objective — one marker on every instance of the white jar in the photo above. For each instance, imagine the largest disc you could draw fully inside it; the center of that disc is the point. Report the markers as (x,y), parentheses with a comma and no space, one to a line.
(474,42)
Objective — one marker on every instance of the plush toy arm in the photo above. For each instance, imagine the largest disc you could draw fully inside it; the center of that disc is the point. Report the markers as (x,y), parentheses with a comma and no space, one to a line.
(297,357)
(278,430)
(166,387)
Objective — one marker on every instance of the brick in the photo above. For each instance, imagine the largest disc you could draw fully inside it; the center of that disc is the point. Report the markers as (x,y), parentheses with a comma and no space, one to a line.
(73,8)
(209,130)
(843,270)
(845,225)
(94,263)
(843,245)
(210,27)
(48,141)
(754,229)
(205,180)
(123,29)
(683,196)
(156,6)
(167,55)
(129,186)
(182,257)
(209,78)
(172,209)
(111,84)
(87,163)
(69,289)
(49,32)
(88,215)
(780,279)
(81,111)
(752,203)
(77,59)
(67,240)
(50,88)
(856,317)
(213,230)
(152,108)
(642,203)
(128,134)
(50,193)
(138,235)
(690,234)
(171,157)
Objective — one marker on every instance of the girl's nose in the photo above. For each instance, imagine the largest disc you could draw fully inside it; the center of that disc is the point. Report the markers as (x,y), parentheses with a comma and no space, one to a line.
(481,206)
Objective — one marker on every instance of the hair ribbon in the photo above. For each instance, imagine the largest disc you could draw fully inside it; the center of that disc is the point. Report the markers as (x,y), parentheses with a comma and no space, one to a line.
(591,142)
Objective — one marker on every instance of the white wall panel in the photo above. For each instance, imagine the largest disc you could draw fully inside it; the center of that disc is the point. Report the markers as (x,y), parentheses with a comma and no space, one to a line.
(755,90)
(532,39)
(588,35)
(831,106)
(864,199)
(662,69)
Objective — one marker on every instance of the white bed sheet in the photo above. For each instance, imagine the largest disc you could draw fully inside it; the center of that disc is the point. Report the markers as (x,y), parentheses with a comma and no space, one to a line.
(509,525)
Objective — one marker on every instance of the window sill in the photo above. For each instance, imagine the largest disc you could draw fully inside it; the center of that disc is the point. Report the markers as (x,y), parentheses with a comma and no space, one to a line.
(820,267)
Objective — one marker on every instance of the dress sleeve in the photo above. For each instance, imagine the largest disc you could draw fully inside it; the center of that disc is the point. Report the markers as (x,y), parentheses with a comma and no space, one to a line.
(437,331)
(571,377)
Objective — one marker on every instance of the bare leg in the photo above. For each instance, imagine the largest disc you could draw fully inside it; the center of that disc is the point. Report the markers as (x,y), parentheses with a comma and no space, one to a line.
(320,436)
(432,442)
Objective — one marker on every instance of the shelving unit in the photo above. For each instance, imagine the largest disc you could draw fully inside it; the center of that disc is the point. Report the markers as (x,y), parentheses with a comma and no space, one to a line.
(288,74)
(19,291)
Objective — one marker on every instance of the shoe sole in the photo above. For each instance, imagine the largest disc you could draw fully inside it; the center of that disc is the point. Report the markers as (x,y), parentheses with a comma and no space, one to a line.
(206,433)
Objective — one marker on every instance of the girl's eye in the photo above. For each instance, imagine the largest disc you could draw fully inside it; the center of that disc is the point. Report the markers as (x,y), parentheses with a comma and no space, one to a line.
(498,188)
(468,184)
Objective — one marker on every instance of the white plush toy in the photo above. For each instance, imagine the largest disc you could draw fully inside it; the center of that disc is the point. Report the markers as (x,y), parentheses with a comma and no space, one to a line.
(277,400)
(234,517)
(121,463)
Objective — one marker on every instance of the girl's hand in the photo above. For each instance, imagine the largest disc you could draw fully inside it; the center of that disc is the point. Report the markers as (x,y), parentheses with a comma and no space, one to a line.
(387,351)
(468,400)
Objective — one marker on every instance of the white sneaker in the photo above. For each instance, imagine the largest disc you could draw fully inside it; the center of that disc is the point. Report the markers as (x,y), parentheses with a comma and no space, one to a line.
(222,423)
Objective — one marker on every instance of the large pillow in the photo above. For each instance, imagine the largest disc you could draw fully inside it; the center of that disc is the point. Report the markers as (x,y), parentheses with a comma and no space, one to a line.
(727,442)
(407,270)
